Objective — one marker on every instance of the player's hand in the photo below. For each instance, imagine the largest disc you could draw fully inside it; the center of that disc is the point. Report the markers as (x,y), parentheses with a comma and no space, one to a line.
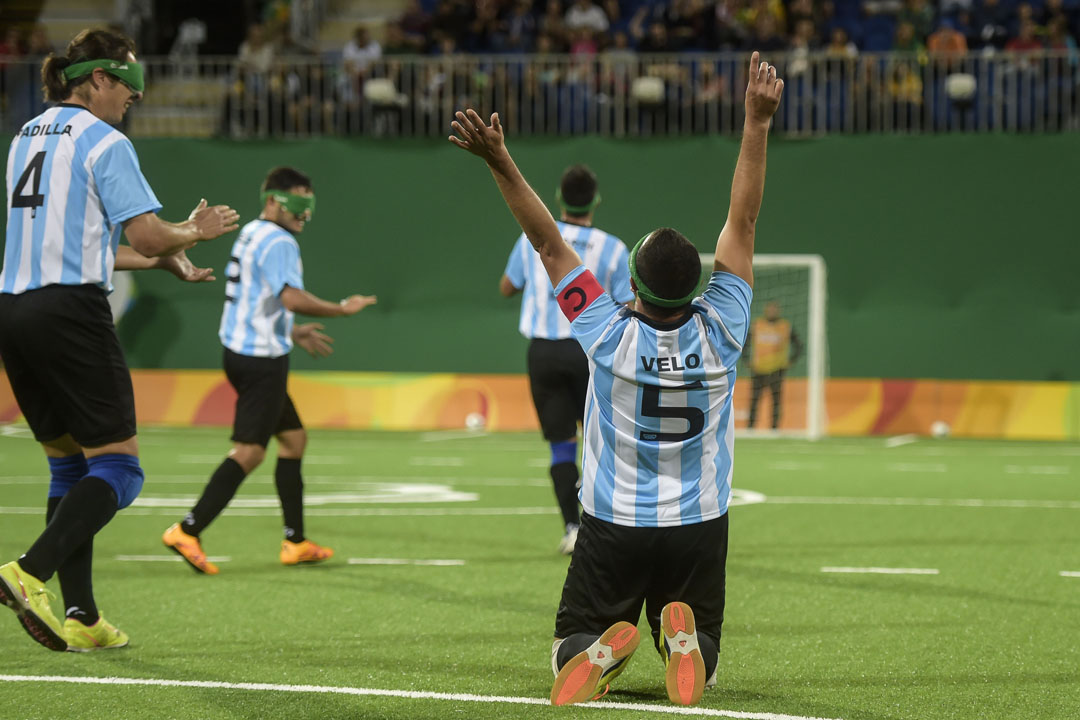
(763,90)
(316,343)
(484,141)
(180,266)
(355,303)
(212,222)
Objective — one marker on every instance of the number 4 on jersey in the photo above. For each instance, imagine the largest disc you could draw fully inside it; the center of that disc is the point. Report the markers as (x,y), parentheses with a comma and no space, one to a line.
(35,199)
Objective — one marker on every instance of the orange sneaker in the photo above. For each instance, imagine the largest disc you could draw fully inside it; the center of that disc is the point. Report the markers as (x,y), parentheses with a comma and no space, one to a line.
(602,661)
(188,547)
(304,551)
(685,674)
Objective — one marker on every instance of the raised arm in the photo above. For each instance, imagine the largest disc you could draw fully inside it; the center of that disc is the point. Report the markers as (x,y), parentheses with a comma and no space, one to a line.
(735,247)
(486,142)
(153,237)
(304,303)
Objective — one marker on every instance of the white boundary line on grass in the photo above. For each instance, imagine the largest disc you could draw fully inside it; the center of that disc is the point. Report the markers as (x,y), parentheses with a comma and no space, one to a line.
(406,694)
(882,570)
(1069,573)
(404,561)
(901,440)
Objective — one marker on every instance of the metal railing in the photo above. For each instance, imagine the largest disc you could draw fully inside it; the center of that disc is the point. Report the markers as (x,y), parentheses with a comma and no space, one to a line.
(625,95)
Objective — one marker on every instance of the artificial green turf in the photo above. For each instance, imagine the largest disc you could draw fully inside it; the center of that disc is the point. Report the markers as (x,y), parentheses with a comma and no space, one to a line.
(994,635)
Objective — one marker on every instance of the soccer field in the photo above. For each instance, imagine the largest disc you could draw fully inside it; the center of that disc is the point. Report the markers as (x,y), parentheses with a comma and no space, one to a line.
(441,599)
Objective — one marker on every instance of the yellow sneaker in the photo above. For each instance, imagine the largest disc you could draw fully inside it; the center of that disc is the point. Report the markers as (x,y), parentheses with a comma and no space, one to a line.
(685,674)
(27,596)
(189,548)
(102,635)
(303,552)
(602,661)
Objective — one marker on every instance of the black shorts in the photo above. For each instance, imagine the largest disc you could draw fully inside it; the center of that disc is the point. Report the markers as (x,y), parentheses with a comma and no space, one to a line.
(616,569)
(263,405)
(559,380)
(65,364)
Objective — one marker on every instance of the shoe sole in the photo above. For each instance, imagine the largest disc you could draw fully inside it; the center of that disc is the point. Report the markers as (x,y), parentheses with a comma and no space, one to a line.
(579,677)
(72,648)
(35,626)
(685,675)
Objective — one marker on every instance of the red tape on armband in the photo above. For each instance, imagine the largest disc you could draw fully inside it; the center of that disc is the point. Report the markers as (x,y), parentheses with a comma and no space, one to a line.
(579,295)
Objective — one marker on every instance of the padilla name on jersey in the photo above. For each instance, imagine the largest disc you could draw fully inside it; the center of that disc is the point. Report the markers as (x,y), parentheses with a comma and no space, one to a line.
(72,181)
(659,426)
(605,255)
(265,258)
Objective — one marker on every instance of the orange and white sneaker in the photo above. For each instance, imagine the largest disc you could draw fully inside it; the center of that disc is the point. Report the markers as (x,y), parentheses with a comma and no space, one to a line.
(601,662)
(685,674)
(304,551)
(189,548)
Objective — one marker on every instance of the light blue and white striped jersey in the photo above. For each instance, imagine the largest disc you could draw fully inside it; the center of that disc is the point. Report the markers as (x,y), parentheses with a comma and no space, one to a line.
(265,258)
(659,426)
(72,180)
(604,254)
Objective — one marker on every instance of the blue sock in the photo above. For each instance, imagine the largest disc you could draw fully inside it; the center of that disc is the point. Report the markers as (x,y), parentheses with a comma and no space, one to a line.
(66,471)
(122,473)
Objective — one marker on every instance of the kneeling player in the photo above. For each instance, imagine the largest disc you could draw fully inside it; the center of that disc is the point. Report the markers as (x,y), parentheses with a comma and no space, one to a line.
(658,425)
(265,288)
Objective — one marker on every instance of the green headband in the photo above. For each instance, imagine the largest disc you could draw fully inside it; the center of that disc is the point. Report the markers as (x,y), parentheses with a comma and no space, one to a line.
(296,204)
(129,73)
(643,292)
(579,209)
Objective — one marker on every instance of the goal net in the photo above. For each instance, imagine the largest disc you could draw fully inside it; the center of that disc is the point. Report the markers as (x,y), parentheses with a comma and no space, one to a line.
(787,353)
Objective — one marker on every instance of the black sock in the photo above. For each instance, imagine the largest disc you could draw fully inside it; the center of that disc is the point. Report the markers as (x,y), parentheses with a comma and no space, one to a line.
(290,489)
(571,646)
(87,507)
(710,654)
(75,575)
(565,476)
(218,492)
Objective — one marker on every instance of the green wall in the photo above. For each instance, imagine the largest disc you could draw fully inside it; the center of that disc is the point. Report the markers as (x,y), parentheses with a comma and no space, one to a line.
(948,256)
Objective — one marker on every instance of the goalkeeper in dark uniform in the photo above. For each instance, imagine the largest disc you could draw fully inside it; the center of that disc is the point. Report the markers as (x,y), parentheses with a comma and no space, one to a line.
(772,347)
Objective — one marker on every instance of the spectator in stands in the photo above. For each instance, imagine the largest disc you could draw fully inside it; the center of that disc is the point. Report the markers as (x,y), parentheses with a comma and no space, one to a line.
(840,46)
(485,30)
(1058,37)
(1026,39)
(906,91)
(946,40)
(11,44)
(906,39)
(921,16)
(990,22)
(552,25)
(617,20)
(256,54)
(521,28)
(396,42)
(882,7)
(766,39)
(586,14)
(583,42)
(656,41)
(451,20)
(415,23)
(360,53)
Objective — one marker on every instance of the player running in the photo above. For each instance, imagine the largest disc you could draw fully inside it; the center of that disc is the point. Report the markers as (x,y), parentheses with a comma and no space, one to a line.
(659,425)
(558,369)
(265,288)
(74,185)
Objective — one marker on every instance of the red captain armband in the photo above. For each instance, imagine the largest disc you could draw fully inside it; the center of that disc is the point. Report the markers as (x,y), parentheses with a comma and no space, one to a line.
(579,295)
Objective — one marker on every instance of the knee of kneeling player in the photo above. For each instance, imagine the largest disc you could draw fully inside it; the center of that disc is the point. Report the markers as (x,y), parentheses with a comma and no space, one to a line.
(122,473)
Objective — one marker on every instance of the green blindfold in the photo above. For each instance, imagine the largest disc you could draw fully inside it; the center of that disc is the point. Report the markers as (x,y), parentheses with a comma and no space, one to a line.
(129,73)
(644,292)
(577,209)
(296,204)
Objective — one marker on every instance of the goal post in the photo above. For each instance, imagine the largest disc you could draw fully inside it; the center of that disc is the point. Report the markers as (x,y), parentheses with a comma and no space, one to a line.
(796,285)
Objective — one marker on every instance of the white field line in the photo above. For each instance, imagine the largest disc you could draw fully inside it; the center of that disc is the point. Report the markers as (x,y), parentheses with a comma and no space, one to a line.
(166,558)
(216,459)
(1036,470)
(1069,573)
(918,467)
(21,432)
(331,512)
(926,502)
(346,480)
(881,570)
(793,465)
(404,561)
(404,694)
(437,461)
(539,463)
(901,440)
(444,435)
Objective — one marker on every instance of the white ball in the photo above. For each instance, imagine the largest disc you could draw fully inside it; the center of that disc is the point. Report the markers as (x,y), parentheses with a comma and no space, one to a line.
(939,429)
(475,421)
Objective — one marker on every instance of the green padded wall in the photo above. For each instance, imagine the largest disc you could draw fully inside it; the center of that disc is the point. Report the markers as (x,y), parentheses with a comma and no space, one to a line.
(948,256)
